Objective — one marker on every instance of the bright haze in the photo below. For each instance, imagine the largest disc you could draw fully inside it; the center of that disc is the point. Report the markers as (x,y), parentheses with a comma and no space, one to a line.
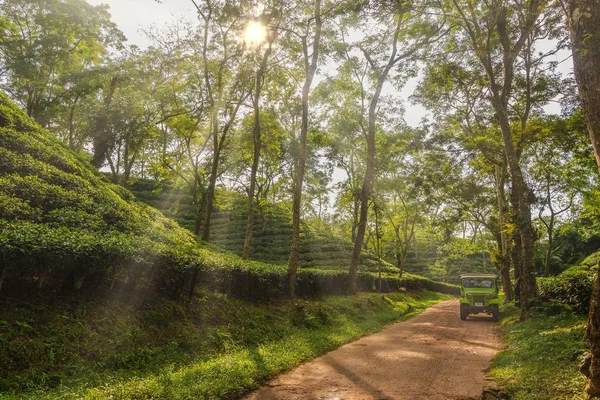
(132,16)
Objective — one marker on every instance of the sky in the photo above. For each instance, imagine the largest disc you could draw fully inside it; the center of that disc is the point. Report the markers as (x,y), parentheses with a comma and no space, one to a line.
(132,15)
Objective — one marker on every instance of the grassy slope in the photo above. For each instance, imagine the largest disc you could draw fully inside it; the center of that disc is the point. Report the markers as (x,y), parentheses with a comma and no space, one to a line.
(215,347)
(542,356)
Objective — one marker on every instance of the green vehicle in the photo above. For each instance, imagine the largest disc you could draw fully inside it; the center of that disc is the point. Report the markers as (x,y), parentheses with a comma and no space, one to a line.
(479,294)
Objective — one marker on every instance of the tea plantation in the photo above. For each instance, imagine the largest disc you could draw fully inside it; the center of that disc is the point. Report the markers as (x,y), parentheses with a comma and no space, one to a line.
(272,228)
(105,297)
(65,228)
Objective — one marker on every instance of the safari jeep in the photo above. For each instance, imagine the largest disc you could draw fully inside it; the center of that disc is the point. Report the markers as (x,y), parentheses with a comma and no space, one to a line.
(479,294)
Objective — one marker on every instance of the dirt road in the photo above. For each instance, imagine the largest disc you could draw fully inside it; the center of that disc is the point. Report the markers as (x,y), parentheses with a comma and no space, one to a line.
(434,355)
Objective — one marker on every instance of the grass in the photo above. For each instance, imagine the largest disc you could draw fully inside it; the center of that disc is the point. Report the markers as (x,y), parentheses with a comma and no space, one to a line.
(542,356)
(214,348)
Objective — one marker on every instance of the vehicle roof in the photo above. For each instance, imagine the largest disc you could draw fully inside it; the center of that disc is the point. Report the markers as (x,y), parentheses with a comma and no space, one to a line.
(478,276)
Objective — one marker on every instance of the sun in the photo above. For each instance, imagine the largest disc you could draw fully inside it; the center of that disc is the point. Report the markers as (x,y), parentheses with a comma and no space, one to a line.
(255,33)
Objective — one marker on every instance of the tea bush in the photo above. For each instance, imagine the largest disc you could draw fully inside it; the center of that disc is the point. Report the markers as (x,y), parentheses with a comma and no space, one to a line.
(573,286)
(61,223)
(273,229)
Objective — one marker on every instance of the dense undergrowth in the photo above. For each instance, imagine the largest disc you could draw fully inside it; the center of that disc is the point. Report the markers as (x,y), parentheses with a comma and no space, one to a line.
(141,347)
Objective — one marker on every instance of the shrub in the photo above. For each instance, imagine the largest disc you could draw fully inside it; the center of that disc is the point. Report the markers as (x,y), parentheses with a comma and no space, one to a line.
(250,280)
(572,287)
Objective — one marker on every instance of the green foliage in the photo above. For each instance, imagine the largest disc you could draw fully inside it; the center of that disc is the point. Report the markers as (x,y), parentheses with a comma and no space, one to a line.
(253,280)
(573,286)
(272,236)
(541,357)
(63,226)
(592,260)
(61,221)
(51,51)
(146,347)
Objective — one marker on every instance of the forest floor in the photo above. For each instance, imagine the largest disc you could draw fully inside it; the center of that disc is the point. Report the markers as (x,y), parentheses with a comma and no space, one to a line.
(434,355)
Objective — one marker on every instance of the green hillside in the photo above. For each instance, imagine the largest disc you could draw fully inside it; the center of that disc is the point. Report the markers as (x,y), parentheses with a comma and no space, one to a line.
(272,236)
(272,229)
(64,225)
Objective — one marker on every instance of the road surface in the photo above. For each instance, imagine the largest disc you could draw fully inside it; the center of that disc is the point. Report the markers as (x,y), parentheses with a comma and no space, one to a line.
(433,356)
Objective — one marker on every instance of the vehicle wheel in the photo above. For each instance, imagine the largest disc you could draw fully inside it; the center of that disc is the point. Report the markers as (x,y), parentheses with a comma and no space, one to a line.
(496,313)
(463,312)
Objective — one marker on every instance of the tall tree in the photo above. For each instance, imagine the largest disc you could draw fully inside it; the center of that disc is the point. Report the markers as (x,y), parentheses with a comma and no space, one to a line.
(584,24)
(455,91)
(341,102)
(409,30)
(559,177)
(310,59)
(264,55)
(225,82)
(405,180)
(501,36)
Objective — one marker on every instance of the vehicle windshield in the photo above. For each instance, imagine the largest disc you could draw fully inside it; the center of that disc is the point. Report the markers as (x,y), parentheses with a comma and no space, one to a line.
(483,283)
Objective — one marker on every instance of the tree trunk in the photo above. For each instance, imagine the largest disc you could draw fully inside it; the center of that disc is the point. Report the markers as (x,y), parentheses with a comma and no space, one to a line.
(101,142)
(365,194)
(257,140)
(355,214)
(311,69)
(199,203)
(367,186)
(584,23)
(215,105)
(516,252)
(591,365)
(71,127)
(2,274)
(550,244)
(521,209)
(210,192)
(504,242)
(126,165)
(214,172)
